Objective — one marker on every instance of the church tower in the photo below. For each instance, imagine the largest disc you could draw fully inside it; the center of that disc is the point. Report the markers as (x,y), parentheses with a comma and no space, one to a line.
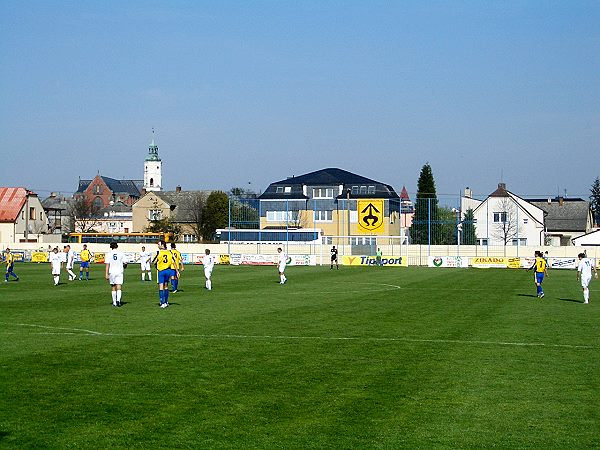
(152,168)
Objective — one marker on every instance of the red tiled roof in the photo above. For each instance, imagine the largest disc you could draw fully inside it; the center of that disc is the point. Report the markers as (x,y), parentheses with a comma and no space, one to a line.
(404,194)
(11,202)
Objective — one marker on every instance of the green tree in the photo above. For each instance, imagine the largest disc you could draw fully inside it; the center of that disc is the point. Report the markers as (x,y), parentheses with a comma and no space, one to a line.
(446,223)
(426,210)
(216,214)
(468,236)
(595,200)
(164,226)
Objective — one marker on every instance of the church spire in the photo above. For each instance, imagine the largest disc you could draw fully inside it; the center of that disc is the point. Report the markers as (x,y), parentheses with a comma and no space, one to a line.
(152,150)
(153,168)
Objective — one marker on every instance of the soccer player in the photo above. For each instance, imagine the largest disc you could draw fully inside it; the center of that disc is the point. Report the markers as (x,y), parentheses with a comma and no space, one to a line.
(145,258)
(378,256)
(541,269)
(114,261)
(56,260)
(281,264)
(163,261)
(9,259)
(208,261)
(70,262)
(584,274)
(176,267)
(334,258)
(85,255)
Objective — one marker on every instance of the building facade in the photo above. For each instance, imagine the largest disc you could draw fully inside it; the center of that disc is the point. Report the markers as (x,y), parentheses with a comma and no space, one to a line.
(338,202)
(22,216)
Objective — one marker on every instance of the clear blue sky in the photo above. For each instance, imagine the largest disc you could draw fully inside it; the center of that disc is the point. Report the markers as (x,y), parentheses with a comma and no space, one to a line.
(255,91)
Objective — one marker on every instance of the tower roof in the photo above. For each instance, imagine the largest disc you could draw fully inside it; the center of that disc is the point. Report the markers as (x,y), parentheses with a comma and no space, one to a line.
(152,152)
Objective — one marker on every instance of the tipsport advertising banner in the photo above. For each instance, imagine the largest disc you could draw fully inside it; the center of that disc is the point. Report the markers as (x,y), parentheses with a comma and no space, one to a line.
(386,261)
(448,261)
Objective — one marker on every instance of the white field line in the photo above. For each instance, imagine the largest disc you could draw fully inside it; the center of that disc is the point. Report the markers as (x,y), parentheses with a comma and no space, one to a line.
(83,332)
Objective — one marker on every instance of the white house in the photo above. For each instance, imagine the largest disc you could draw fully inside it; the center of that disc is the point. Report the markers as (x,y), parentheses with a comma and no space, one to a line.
(504,218)
(22,216)
(589,239)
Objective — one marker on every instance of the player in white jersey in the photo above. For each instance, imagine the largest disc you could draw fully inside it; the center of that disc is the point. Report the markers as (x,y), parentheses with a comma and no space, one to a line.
(115,263)
(56,260)
(208,261)
(281,265)
(70,262)
(145,258)
(584,274)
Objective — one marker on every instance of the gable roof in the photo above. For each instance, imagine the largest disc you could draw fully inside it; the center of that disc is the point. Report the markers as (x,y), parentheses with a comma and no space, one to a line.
(565,214)
(12,200)
(131,187)
(181,203)
(327,177)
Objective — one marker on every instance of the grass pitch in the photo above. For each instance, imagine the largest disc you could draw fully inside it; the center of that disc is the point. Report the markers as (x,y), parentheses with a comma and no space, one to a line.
(376,358)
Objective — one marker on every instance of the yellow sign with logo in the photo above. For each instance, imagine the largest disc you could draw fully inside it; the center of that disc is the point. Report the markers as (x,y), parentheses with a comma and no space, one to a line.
(39,257)
(391,261)
(370,216)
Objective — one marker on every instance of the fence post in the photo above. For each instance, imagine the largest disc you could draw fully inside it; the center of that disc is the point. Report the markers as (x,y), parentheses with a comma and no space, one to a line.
(428,227)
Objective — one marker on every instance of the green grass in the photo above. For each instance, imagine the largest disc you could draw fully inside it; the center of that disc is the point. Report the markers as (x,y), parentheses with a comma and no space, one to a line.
(376,358)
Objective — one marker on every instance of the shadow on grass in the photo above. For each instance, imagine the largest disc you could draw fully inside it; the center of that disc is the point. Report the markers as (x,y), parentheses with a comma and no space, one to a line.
(3,434)
(527,295)
(570,300)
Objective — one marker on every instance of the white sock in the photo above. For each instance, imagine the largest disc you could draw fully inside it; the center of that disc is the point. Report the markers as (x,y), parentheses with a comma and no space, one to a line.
(150,276)
(143,276)
(208,285)
(56,278)
(586,294)
(114,297)
(119,296)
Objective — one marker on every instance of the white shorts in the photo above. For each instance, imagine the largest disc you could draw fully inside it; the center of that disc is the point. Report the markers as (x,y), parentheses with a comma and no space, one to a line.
(70,266)
(281,268)
(55,272)
(145,266)
(585,281)
(207,272)
(115,278)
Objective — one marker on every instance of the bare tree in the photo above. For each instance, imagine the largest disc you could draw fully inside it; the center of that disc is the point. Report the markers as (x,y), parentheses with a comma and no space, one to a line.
(83,216)
(298,217)
(38,227)
(505,221)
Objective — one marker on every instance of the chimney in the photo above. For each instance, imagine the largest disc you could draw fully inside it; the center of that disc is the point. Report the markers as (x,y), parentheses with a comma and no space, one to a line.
(561,201)
(468,192)
(178,189)
(143,191)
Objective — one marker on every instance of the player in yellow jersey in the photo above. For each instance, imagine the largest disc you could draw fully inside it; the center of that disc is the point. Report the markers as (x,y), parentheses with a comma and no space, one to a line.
(163,261)
(177,267)
(85,256)
(540,267)
(9,259)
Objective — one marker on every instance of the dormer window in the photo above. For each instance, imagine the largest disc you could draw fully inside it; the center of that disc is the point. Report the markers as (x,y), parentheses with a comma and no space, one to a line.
(279,190)
(371,190)
(323,193)
(354,190)
(287,189)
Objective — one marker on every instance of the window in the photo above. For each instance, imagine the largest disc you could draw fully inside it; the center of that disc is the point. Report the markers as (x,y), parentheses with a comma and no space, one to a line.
(323,216)
(323,193)
(363,241)
(190,238)
(155,214)
(363,189)
(519,242)
(287,189)
(371,190)
(279,216)
(483,242)
(23,215)
(500,217)
(354,190)
(151,182)
(97,189)
(31,213)
(279,190)
(41,217)
(525,220)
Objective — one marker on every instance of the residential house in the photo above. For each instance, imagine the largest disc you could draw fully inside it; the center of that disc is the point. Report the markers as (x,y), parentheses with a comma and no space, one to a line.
(56,207)
(565,219)
(22,216)
(180,207)
(504,218)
